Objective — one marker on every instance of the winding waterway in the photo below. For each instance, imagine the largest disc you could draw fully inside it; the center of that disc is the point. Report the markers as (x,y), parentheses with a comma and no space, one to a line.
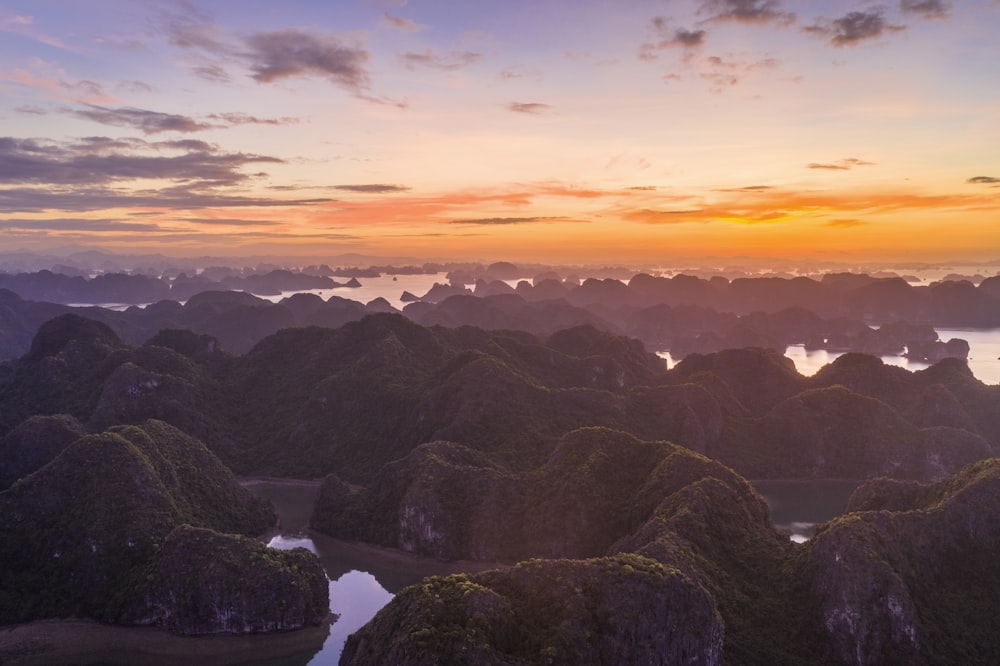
(363,578)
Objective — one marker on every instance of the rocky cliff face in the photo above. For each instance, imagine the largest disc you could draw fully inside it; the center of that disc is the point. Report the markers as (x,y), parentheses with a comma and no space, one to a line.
(204,582)
(96,532)
(908,578)
(912,578)
(616,610)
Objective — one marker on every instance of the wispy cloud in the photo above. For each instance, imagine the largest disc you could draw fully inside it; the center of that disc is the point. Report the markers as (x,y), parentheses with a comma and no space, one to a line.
(145,121)
(213,73)
(40,161)
(746,11)
(400,23)
(492,221)
(76,224)
(534,108)
(97,173)
(781,205)
(854,27)
(444,61)
(54,83)
(723,73)
(235,118)
(983,180)
(840,165)
(372,188)
(229,221)
(669,37)
(155,122)
(24,26)
(931,9)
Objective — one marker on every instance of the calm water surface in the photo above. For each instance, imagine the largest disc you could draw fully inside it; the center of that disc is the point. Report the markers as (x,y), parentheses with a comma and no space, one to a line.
(363,579)
(797,505)
(984,355)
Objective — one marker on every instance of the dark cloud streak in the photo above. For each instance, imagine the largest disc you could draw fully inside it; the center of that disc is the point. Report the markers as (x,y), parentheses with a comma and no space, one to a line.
(147,122)
(532,108)
(854,27)
(296,53)
(446,62)
(372,188)
(747,11)
(840,165)
(929,9)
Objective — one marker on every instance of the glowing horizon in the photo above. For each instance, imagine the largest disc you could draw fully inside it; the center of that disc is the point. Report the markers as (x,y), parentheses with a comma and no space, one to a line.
(554,131)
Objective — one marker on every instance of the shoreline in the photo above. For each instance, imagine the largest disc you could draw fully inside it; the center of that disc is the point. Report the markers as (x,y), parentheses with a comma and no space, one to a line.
(50,641)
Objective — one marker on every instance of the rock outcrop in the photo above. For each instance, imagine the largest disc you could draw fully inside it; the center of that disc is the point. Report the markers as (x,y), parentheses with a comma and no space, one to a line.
(82,536)
(204,582)
(624,609)
(911,578)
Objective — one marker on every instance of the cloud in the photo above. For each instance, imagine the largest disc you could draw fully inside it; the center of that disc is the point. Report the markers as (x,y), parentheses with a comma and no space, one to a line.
(488,221)
(135,86)
(245,119)
(213,73)
(528,107)
(295,53)
(854,27)
(202,36)
(76,224)
(107,161)
(52,82)
(147,122)
(983,180)
(374,188)
(784,205)
(451,61)
(22,25)
(229,221)
(670,39)
(272,56)
(746,11)
(82,199)
(840,165)
(747,188)
(722,73)
(930,9)
(399,23)
(845,223)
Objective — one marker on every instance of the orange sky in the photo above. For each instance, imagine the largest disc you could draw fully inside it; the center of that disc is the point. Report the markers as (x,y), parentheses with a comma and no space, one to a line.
(627,132)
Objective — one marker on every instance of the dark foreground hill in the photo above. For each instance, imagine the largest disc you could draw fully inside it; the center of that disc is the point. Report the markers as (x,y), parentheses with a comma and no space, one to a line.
(701,577)
(140,525)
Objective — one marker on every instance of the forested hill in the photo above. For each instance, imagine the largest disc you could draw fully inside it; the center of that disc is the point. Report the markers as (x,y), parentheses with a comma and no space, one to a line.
(461,442)
(314,400)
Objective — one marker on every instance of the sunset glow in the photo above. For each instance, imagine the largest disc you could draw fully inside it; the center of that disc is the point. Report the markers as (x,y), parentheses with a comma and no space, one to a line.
(588,131)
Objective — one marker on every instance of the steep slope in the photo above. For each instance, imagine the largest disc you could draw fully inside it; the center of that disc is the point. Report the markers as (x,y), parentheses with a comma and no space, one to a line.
(78,536)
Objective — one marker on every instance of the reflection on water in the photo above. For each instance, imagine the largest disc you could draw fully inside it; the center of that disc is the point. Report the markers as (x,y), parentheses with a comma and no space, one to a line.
(355,597)
(798,505)
(984,355)
(363,578)
(389,287)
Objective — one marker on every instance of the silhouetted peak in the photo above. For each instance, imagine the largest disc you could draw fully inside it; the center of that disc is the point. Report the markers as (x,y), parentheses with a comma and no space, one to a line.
(7,296)
(226,298)
(54,335)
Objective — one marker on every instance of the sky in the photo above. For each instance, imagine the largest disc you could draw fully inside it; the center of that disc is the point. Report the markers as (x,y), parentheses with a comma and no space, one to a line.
(559,131)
